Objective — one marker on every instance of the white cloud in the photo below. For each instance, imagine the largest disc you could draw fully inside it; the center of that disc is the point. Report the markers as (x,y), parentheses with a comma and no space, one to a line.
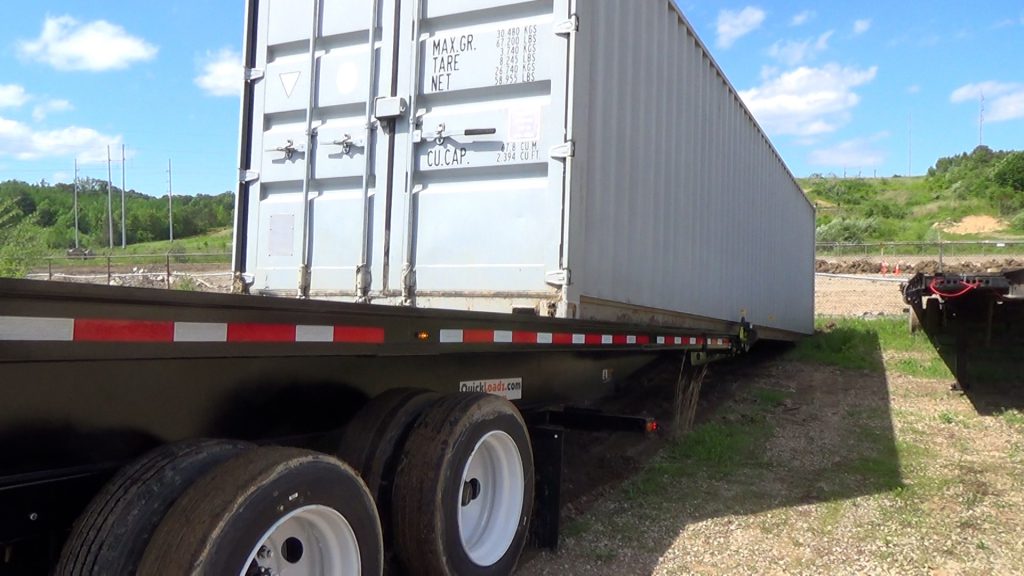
(913,89)
(807,101)
(734,25)
(856,153)
(861,26)
(67,44)
(1003,100)
(47,107)
(222,73)
(801,18)
(12,96)
(20,141)
(792,52)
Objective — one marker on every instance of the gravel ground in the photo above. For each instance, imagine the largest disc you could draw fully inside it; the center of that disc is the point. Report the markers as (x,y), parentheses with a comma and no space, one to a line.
(856,473)
(865,296)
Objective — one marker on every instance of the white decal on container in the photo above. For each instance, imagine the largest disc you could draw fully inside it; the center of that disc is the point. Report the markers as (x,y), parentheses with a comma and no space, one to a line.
(510,388)
(524,124)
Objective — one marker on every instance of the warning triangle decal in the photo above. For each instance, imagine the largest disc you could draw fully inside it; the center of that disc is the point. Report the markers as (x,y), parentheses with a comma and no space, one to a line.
(288,81)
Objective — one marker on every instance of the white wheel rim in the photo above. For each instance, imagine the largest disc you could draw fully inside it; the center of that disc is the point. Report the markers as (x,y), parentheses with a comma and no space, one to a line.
(493,477)
(310,541)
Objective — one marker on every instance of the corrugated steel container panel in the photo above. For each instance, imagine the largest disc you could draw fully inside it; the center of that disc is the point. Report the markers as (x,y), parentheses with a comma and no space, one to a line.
(679,202)
(584,159)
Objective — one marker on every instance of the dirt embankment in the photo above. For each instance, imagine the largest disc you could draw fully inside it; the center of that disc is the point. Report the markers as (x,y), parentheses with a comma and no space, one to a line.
(867,266)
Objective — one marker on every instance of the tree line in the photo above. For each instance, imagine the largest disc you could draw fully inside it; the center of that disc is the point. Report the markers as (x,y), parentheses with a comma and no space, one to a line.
(49,211)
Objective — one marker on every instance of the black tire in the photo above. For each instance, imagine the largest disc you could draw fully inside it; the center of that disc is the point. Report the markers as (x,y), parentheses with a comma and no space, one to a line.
(429,487)
(222,519)
(372,441)
(112,533)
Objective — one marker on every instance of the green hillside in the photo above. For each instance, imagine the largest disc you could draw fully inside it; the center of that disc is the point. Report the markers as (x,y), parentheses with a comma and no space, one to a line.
(39,219)
(982,183)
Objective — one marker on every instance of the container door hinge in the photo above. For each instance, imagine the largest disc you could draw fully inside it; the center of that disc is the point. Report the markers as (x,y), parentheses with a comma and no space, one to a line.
(566,150)
(557,277)
(253,74)
(363,283)
(246,176)
(408,286)
(305,275)
(568,26)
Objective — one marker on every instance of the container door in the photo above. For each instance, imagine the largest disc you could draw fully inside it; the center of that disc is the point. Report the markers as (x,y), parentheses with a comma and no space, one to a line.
(480,212)
(313,214)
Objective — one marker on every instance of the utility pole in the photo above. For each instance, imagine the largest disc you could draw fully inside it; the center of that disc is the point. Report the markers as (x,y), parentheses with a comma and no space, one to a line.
(910,144)
(981,120)
(124,223)
(76,203)
(170,202)
(110,204)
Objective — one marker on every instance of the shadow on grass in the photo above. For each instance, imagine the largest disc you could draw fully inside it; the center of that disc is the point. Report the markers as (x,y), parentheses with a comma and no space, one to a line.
(986,359)
(782,427)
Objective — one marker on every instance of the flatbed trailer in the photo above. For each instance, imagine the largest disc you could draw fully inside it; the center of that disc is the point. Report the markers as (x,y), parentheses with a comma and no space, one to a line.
(558,193)
(95,378)
(975,310)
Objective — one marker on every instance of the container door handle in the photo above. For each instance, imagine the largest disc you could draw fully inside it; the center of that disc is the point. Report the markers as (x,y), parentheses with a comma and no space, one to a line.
(346,142)
(441,133)
(289,149)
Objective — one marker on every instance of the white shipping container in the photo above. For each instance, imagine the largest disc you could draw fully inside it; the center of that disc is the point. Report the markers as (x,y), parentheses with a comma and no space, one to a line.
(580,158)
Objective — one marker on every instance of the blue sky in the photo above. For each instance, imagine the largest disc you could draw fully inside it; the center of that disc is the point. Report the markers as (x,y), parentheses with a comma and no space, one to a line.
(839,87)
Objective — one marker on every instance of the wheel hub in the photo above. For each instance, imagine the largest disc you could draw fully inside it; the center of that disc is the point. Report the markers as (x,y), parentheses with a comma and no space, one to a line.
(493,488)
(310,541)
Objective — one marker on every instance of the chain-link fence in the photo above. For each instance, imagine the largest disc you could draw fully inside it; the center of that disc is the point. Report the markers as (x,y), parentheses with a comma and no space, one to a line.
(208,272)
(930,257)
(851,279)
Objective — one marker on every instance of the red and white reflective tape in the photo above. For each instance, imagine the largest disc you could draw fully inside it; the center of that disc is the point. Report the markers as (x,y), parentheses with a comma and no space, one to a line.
(486,336)
(23,328)
(35,329)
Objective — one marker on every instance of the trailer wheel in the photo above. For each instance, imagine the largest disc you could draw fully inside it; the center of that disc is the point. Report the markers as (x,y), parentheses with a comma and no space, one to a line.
(463,492)
(111,534)
(372,441)
(271,511)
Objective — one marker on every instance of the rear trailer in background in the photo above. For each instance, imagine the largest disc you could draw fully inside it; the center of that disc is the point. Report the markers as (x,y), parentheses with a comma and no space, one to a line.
(975,320)
(575,159)
(495,213)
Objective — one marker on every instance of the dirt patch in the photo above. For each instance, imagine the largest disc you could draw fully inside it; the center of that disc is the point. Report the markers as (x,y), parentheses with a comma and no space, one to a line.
(910,266)
(977,225)
(857,297)
(855,473)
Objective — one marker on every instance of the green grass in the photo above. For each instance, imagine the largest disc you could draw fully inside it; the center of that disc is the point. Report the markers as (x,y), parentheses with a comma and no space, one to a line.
(217,244)
(1013,417)
(847,343)
(858,343)
(721,445)
(770,397)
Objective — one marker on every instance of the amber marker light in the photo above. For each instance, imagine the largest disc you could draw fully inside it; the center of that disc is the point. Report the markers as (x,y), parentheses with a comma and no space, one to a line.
(423,336)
